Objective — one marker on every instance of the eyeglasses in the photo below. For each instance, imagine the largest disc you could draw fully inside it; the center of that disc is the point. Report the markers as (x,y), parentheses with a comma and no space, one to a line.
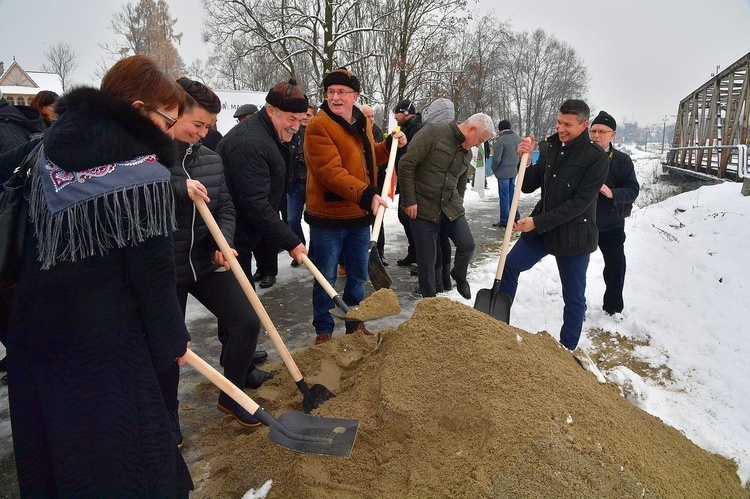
(332,93)
(600,132)
(170,121)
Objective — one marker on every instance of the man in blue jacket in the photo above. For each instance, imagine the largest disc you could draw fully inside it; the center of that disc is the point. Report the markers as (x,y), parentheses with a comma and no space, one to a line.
(615,202)
(563,223)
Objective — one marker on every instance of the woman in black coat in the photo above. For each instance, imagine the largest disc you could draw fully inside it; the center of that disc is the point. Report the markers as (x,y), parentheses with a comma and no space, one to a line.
(95,315)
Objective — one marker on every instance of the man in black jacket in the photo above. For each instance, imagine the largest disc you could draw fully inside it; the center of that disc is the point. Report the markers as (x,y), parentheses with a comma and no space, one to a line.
(615,202)
(563,223)
(256,155)
(410,123)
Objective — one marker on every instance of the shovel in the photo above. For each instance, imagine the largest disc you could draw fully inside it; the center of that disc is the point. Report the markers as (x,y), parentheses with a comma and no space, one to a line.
(312,396)
(294,430)
(378,275)
(491,301)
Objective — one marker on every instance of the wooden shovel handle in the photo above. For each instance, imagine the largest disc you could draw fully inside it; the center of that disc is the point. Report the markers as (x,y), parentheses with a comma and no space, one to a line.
(220,381)
(511,217)
(234,265)
(386,186)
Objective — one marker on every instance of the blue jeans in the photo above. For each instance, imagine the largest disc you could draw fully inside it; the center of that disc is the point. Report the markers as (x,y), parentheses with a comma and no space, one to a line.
(295,204)
(572,270)
(326,246)
(506,187)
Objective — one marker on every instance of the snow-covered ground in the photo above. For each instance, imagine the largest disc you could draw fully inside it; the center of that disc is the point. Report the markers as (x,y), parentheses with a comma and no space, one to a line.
(687,307)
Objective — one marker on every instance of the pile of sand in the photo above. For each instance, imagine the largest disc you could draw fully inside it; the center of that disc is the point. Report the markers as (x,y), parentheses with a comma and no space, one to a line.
(456,404)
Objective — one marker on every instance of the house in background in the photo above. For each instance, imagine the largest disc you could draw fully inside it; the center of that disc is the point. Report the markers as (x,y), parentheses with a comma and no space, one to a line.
(19,87)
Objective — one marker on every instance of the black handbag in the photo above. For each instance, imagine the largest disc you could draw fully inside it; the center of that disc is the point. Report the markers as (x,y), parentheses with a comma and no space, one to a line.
(14,220)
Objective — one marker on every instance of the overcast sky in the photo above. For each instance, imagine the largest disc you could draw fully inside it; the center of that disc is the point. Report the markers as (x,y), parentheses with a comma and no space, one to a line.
(643,56)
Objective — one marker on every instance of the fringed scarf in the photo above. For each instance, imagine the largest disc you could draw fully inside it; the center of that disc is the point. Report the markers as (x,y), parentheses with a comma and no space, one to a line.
(78,214)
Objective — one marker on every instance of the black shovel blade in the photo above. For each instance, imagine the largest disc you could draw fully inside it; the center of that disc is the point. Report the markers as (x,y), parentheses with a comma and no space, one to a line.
(314,396)
(494,303)
(378,275)
(308,434)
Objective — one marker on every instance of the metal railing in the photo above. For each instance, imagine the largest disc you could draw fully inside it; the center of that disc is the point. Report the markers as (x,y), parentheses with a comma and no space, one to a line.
(739,168)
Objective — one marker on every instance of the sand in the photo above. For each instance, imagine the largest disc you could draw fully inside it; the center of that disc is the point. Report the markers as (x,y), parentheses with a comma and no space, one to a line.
(453,403)
(382,303)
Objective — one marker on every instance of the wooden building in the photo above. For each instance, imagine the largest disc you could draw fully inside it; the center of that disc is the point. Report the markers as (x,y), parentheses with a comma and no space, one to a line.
(19,86)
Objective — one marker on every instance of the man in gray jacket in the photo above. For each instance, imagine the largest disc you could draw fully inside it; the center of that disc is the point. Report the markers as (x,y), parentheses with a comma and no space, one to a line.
(433,175)
(505,168)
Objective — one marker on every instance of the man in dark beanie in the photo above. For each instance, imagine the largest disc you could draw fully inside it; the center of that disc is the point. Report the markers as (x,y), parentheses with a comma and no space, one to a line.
(410,123)
(256,154)
(342,194)
(505,168)
(614,204)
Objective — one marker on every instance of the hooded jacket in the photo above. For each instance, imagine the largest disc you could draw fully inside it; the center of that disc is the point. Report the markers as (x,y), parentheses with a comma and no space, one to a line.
(256,163)
(194,247)
(504,155)
(341,171)
(18,125)
(570,179)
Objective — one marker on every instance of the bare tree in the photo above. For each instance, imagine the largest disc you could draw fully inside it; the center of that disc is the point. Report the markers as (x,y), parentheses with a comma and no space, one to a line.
(148,28)
(542,72)
(62,61)
(306,38)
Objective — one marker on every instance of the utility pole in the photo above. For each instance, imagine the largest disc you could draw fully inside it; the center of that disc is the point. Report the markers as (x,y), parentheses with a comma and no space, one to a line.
(663,133)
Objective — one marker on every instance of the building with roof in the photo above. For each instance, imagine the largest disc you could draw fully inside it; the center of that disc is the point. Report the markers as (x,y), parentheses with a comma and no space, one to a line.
(19,86)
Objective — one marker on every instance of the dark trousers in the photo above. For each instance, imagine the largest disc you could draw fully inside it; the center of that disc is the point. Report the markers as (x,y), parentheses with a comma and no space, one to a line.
(572,269)
(406,222)
(266,258)
(612,245)
(426,235)
(295,205)
(222,295)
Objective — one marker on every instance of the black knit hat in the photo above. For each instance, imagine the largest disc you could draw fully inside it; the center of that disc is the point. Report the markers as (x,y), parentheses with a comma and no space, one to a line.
(605,119)
(503,125)
(341,76)
(288,97)
(406,107)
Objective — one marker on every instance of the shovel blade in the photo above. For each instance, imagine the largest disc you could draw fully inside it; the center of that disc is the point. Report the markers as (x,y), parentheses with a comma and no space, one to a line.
(494,303)
(378,275)
(300,432)
(314,396)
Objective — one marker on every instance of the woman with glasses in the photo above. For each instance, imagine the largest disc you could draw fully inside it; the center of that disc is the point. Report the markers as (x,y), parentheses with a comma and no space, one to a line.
(95,316)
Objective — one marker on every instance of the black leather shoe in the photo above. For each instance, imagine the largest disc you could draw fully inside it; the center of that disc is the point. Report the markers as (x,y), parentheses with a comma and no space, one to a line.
(384,260)
(499,224)
(462,285)
(295,264)
(267,281)
(414,271)
(406,261)
(228,406)
(256,378)
(260,356)
(257,276)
